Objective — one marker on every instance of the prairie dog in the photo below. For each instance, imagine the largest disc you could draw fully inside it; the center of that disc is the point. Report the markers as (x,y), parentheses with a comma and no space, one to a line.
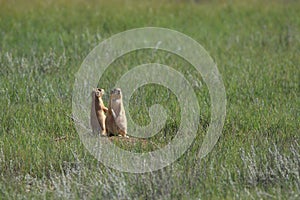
(116,121)
(97,112)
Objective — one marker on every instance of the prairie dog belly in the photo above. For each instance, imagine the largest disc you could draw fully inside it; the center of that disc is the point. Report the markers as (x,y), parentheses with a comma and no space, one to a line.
(116,122)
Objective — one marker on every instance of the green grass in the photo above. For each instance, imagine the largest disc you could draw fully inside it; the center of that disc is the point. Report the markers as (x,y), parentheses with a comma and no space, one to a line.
(256,46)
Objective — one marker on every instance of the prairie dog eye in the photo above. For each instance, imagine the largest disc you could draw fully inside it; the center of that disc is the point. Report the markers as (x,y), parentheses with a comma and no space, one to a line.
(118,90)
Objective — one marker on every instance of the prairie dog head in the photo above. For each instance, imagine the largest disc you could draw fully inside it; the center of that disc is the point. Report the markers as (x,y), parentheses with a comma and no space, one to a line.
(116,94)
(99,92)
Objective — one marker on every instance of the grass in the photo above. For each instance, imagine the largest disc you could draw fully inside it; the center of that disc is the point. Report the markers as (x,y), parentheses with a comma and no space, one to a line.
(256,46)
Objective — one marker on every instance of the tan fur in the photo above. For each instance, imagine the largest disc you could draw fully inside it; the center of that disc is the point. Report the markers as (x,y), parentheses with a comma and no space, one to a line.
(116,122)
(97,112)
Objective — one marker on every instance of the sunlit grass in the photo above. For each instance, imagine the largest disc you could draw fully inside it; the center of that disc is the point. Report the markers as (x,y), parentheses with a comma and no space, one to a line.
(256,46)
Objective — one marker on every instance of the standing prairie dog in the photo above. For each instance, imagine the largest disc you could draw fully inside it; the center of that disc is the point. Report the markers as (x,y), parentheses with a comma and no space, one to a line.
(97,112)
(116,121)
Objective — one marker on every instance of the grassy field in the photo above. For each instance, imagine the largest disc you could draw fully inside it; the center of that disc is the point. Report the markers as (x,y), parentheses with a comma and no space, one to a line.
(256,45)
